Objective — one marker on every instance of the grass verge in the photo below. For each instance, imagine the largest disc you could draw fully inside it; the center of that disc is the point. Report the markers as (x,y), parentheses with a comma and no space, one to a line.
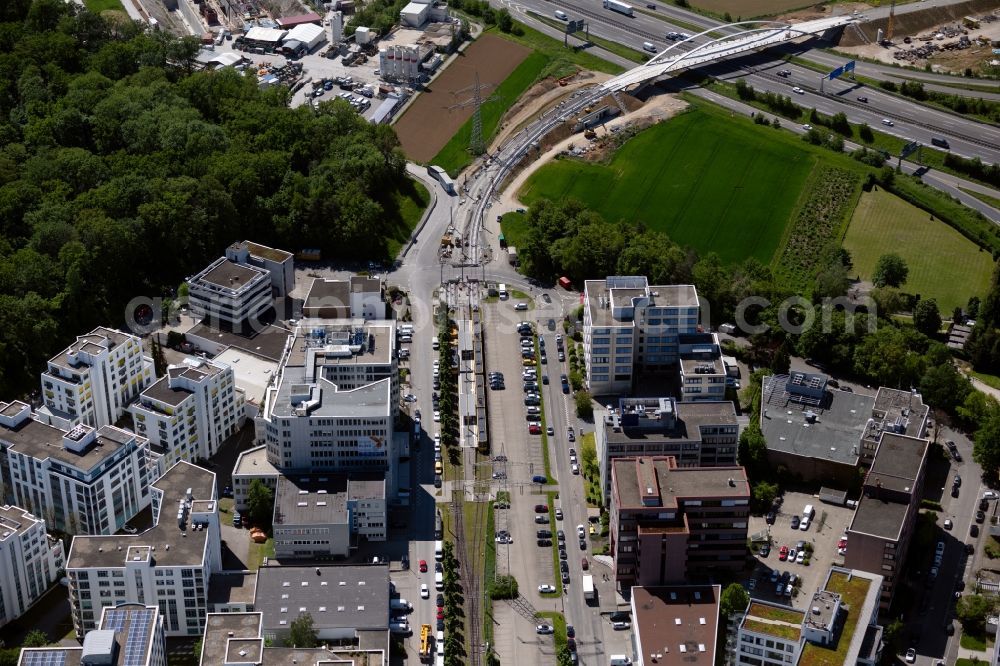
(455,155)
(563,58)
(989,380)
(558,622)
(606,44)
(553,527)
(985,198)
(258,551)
(226,509)
(541,400)
(970,642)
(675,22)
(489,574)
(98,6)
(411,204)
(943,264)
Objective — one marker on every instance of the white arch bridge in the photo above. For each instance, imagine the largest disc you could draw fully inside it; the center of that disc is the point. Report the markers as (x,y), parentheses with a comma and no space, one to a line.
(749,36)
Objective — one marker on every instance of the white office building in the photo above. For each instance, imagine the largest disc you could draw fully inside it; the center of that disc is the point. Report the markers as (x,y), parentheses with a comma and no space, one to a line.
(129,635)
(82,481)
(335,399)
(631,327)
(189,413)
(29,561)
(167,566)
(94,379)
(359,297)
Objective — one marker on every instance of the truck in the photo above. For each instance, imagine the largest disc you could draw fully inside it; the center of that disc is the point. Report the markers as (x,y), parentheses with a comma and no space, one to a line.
(588,588)
(426,642)
(400,604)
(620,7)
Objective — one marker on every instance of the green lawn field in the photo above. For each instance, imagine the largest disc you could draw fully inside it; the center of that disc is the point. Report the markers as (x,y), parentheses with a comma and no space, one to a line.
(704,180)
(943,264)
(98,6)
(455,155)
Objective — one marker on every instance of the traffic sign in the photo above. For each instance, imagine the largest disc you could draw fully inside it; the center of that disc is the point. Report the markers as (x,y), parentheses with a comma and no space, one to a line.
(840,71)
(909,148)
(574,26)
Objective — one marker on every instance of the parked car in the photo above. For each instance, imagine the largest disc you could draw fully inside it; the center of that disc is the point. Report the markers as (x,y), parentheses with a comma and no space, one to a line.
(544,629)
(425,592)
(546,589)
(795,522)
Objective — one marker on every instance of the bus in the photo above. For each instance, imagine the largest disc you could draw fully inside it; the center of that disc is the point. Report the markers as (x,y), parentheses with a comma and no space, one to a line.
(426,642)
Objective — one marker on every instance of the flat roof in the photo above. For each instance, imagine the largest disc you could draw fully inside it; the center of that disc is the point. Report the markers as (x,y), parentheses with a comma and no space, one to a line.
(324,292)
(368,401)
(97,340)
(172,546)
(679,623)
(618,291)
(14,521)
(771,619)
(690,418)
(161,391)
(898,461)
(251,372)
(634,478)
(131,627)
(269,343)
(40,441)
(879,517)
(311,500)
(230,275)
(253,462)
(219,626)
(263,251)
(905,408)
(835,434)
(859,592)
(355,597)
(329,342)
(232,587)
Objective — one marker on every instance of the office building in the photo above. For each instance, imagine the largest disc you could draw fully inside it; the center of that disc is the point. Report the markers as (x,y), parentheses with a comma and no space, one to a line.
(94,379)
(188,413)
(82,481)
(670,524)
(879,535)
(839,626)
(675,626)
(279,264)
(702,368)
(695,434)
(631,327)
(824,434)
(30,561)
(167,566)
(237,639)
(359,297)
(344,601)
(333,404)
(127,635)
(322,517)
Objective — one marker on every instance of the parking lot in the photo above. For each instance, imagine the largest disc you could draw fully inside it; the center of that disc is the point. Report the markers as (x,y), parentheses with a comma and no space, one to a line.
(828,525)
(509,436)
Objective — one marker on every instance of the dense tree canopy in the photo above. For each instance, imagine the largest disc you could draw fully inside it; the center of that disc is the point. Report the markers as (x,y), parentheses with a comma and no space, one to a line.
(123,170)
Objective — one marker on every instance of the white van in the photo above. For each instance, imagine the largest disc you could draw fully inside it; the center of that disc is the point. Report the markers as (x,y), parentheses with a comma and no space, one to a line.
(435,343)
(561,15)
(649,46)
(502,290)
(439,581)
(807,515)
(438,550)
(619,660)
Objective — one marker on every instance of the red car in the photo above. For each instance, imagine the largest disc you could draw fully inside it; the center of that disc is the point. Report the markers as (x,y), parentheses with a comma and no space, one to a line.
(585,564)
(423,566)
(534,429)
(783,553)
(440,614)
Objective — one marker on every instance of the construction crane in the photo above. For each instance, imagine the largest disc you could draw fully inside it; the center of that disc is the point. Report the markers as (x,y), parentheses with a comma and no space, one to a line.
(476,144)
(892,15)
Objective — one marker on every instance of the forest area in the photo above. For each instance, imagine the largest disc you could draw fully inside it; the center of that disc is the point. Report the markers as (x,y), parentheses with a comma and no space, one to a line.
(124,169)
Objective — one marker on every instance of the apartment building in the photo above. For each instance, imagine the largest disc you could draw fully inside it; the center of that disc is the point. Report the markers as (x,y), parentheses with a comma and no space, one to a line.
(670,524)
(30,561)
(167,566)
(82,481)
(631,327)
(335,400)
(839,625)
(824,434)
(322,517)
(128,635)
(675,625)
(883,524)
(94,379)
(695,434)
(359,297)
(188,413)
